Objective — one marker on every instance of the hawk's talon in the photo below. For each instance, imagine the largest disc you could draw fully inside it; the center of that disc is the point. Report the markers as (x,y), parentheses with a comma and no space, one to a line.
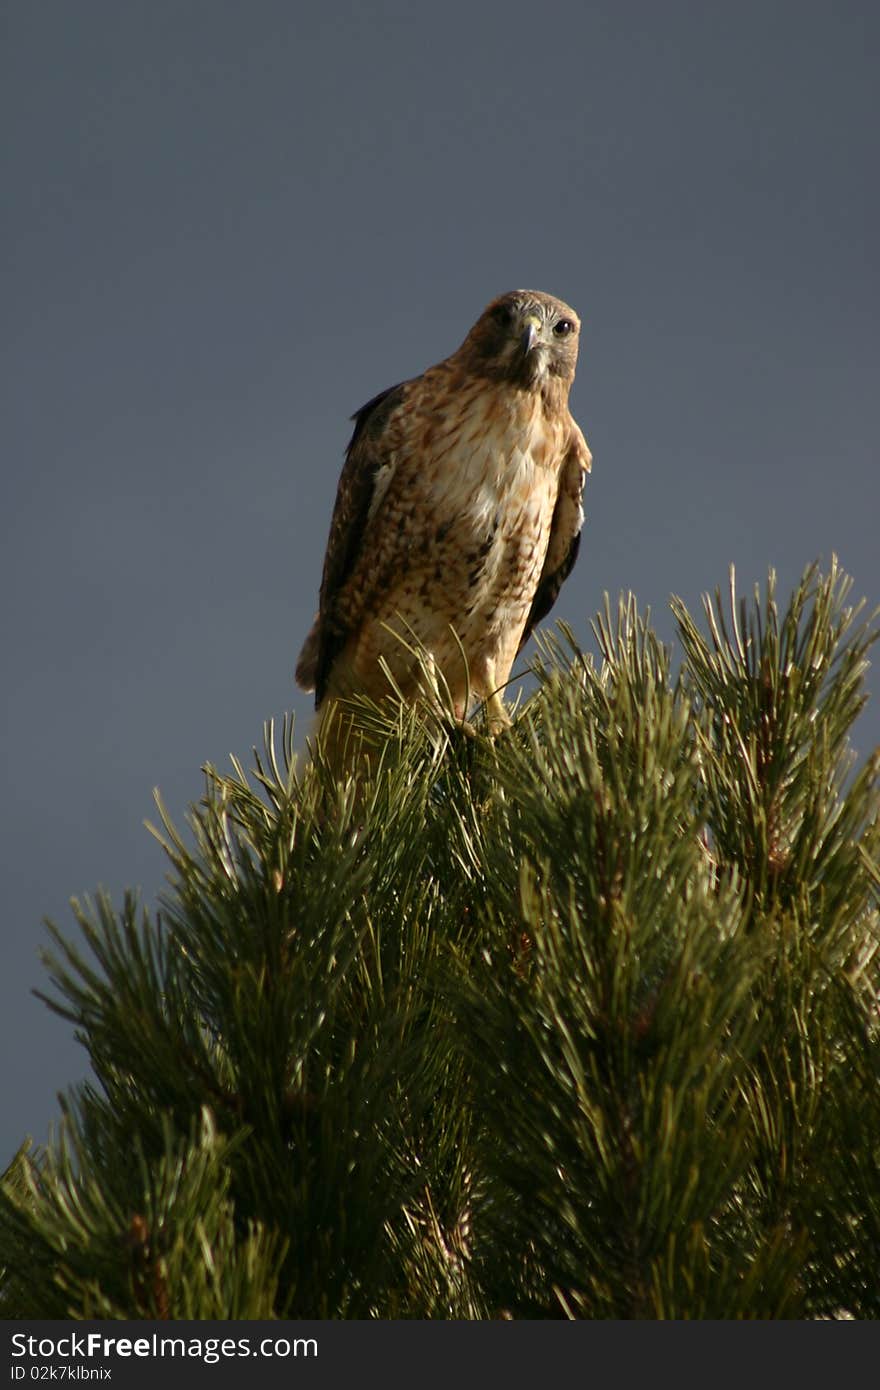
(497,718)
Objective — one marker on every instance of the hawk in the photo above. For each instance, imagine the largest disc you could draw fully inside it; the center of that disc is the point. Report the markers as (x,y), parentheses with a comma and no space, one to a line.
(457,518)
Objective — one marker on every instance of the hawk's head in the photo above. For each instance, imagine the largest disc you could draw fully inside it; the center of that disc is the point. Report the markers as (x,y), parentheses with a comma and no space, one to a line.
(524,337)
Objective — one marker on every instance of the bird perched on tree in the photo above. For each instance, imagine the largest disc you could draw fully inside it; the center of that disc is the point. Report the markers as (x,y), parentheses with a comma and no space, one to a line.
(457,518)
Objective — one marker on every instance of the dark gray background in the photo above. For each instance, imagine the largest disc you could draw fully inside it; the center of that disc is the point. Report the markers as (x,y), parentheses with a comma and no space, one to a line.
(226,225)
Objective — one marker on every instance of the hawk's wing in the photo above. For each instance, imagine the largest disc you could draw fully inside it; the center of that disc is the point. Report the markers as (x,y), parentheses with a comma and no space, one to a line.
(365,476)
(565,530)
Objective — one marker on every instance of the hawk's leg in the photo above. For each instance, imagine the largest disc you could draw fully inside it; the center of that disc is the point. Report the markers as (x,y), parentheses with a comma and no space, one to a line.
(443,704)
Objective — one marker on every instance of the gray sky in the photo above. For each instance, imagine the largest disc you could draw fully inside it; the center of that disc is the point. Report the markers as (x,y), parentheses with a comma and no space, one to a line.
(227,225)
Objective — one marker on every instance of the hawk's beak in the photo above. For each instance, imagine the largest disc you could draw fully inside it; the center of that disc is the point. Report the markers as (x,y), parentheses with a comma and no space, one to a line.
(531,325)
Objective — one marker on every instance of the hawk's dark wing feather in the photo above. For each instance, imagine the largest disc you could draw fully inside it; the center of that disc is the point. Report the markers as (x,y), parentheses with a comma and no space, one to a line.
(364,457)
(565,532)
(547,591)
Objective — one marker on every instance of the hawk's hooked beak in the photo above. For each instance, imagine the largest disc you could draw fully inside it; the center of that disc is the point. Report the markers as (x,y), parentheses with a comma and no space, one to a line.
(531,325)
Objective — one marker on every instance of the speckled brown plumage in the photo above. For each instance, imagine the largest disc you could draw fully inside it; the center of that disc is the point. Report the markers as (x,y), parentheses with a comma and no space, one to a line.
(457,516)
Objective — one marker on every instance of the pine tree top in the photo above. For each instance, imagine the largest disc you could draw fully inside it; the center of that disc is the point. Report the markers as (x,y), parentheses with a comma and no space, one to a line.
(580,1021)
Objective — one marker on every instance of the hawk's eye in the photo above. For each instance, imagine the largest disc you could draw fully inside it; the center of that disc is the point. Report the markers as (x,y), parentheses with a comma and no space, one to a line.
(563,328)
(503,315)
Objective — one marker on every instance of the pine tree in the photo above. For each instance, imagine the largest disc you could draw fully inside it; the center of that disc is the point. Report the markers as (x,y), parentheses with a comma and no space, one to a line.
(580,1022)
